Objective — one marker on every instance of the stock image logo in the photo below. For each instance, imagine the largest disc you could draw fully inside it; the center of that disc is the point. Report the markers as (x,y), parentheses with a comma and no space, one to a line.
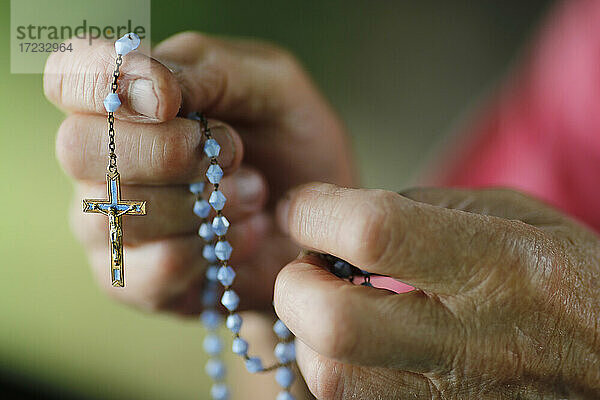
(40,28)
(84,31)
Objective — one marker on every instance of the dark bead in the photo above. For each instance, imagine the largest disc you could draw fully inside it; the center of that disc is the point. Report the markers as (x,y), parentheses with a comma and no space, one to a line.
(342,269)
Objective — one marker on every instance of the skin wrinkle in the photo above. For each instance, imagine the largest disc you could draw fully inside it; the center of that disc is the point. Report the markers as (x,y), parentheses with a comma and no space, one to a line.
(457,337)
(372,233)
(484,362)
(388,243)
(537,246)
(342,382)
(492,361)
(153,153)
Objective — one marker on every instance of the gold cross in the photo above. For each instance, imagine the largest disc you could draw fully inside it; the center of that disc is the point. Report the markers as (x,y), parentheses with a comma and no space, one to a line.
(115,208)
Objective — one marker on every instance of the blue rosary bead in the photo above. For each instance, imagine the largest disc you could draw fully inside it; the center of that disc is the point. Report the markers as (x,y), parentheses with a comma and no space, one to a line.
(239,346)
(217,200)
(284,377)
(209,297)
(215,369)
(197,187)
(214,174)
(223,250)
(219,391)
(210,319)
(285,352)
(254,365)
(285,396)
(220,224)
(206,232)
(213,345)
(212,148)
(234,323)
(201,208)
(230,300)
(208,252)
(112,102)
(211,273)
(281,330)
(226,275)
(127,43)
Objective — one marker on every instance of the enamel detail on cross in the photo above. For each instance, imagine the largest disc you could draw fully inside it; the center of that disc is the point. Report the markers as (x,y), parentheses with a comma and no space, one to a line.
(115,208)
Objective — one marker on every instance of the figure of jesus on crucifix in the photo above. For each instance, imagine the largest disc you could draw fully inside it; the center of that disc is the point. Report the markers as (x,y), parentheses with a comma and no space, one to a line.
(114,229)
(115,208)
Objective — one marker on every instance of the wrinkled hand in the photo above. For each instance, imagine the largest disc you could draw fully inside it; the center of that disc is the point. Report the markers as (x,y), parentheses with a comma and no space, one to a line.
(273,115)
(507,306)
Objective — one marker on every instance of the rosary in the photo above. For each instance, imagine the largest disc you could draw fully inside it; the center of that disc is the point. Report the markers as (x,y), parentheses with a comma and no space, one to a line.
(216,252)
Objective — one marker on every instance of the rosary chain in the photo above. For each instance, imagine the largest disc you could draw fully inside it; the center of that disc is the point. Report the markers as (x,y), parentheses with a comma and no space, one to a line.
(213,161)
(112,162)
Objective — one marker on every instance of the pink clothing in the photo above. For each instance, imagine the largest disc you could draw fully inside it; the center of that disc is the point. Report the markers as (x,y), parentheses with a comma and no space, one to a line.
(541,131)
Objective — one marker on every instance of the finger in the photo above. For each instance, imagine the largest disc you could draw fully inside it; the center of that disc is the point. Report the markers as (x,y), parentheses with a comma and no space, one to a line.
(363,326)
(244,237)
(80,81)
(497,202)
(328,379)
(155,273)
(166,153)
(169,208)
(255,277)
(168,274)
(230,79)
(429,247)
(502,203)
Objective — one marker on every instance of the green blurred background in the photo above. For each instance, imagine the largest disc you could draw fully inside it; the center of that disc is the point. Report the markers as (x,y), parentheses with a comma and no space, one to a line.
(401,74)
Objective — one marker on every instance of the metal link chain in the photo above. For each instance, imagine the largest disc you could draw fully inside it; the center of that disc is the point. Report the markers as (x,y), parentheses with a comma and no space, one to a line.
(112,161)
(213,161)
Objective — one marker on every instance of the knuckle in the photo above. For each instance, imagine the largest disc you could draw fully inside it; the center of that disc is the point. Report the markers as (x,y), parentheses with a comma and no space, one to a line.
(285,57)
(69,84)
(371,231)
(173,155)
(184,48)
(191,37)
(282,61)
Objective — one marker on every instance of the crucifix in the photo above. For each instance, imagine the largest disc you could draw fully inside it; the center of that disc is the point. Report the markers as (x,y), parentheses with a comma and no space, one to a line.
(115,208)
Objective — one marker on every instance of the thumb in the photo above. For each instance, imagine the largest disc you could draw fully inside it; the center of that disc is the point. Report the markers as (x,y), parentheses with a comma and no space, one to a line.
(80,80)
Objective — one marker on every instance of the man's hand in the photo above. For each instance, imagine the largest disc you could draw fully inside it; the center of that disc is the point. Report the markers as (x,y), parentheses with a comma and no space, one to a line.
(273,115)
(507,305)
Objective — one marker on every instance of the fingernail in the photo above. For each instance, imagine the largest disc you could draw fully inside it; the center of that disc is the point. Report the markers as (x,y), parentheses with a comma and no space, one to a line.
(143,98)
(249,186)
(282,211)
